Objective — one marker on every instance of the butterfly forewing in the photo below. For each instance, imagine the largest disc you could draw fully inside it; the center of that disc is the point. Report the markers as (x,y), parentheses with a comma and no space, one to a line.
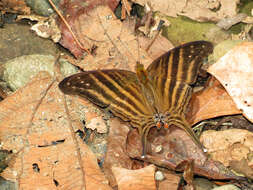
(174,72)
(181,63)
(117,90)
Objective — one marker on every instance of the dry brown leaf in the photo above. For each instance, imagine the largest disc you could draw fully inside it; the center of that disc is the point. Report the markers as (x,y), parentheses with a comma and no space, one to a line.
(160,46)
(117,46)
(116,150)
(34,122)
(14,6)
(211,102)
(195,9)
(70,28)
(141,179)
(94,120)
(229,146)
(171,182)
(227,23)
(234,71)
(176,147)
(242,166)
(188,173)
(114,41)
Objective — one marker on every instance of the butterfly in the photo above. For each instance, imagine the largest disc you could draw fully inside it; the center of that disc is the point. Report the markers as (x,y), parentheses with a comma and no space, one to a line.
(156,96)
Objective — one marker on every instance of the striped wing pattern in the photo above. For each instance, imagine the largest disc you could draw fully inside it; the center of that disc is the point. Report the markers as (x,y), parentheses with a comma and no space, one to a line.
(128,96)
(116,90)
(174,72)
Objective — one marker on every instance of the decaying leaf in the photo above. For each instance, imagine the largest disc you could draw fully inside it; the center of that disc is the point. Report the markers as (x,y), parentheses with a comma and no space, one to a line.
(47,29)
(171,182)
(226,23)
(141,179)
(234,71)
(77,13)
(117,46)
(195,9)
(242,167)
(188,173)
(116,154)
(212,101)
(95,121)
(14,6)
(35,121)
(231,147)
(176,147)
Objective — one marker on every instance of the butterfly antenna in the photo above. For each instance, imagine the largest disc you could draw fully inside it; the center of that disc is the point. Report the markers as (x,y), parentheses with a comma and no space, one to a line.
(138,49)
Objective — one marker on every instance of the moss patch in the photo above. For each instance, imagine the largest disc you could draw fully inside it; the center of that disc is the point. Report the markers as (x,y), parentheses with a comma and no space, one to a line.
(183,29)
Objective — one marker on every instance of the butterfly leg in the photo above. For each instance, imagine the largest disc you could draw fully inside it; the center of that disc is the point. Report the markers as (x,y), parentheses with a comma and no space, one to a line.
(144,137)
(185,126)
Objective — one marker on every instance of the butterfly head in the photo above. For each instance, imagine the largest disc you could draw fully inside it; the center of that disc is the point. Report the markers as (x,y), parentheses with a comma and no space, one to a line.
(160,120)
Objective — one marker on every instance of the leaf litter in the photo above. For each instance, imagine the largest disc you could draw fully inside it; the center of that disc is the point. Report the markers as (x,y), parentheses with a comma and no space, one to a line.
(234,71)
(124,40)
(43,131)
(42,136)
(194,9)
(212,101)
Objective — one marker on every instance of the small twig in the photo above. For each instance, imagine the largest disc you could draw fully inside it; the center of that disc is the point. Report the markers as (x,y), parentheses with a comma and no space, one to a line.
(68,26)
(111,40)
(3,95)
(126,6)
(123,13)
(27,131)
(78,151)
(159,27)
(138,44)
(70,126)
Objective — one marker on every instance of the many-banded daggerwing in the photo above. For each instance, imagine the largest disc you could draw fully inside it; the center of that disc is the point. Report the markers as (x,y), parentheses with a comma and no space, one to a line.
(157,96)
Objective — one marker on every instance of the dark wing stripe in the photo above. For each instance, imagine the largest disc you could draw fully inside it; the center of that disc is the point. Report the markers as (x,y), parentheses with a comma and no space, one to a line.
(170,91)
(99,95)
(185,102)
(174,67)
(115,96)
(166,98)
(175,95)
(168,73)
(180,68)
(129,95)
(191,74)
(130,90)
(183,96)
(95,97)
(160,80)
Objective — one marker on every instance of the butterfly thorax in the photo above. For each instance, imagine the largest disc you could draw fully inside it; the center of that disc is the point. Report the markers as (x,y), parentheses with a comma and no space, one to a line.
(160,120)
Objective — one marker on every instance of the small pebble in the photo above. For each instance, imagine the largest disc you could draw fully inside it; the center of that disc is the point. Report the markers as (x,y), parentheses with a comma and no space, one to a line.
(159,148)
(227,187)
(159,176)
